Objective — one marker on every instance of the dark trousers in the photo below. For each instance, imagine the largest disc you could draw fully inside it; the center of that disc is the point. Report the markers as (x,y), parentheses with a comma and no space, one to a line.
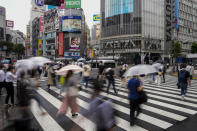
(2,84)
(111,82)
(164,79)
(86,81)
(134,106)
(10,92)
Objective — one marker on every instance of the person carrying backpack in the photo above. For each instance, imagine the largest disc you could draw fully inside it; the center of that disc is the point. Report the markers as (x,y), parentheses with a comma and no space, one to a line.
(183,79)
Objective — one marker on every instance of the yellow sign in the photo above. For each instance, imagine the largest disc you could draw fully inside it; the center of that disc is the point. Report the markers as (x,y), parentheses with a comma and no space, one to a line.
(96,17)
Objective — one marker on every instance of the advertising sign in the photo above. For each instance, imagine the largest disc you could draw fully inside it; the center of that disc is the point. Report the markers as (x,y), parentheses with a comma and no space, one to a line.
(9,23)
(49,20)
(74,44)
(176,14)
(51,7)
(71,23)
(96,17)
(117,7)
(72,3)
(61,44)
(38,5)
(41,24)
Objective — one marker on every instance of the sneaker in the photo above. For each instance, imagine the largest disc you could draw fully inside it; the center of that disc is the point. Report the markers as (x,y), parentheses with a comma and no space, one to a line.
(132,124)
(74,115)
(183,97)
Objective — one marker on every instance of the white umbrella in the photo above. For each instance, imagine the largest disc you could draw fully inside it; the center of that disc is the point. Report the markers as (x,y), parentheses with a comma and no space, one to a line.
(81,59)
(140,70)
(157,66)
(24,64)
(108,69)
(65,69)
(40,61)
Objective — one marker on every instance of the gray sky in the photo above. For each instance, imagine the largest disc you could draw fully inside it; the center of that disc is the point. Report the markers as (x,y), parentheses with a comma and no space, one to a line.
(19,11)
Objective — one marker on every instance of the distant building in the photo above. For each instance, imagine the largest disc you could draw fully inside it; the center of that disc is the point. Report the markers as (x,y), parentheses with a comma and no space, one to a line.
(2,23)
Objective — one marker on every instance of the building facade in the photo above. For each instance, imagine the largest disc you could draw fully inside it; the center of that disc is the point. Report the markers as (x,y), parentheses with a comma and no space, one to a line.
(132,30)
(35,35)
(185,23)
(2,23)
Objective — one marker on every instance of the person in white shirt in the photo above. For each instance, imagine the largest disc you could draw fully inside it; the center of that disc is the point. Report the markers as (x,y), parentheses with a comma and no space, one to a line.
(86,74)
(190,69)
(10,77)
(2,78)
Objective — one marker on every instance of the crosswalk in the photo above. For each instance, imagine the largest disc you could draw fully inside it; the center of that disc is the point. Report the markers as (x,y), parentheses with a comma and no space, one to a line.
(163,110)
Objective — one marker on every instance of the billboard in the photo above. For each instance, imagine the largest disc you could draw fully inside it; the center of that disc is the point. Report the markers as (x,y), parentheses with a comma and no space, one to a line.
(51,7)
(41,24)
(117,7)
(49,20)
(71,23)
(96,17)
(9,23)
(72,3)
(176,14)
(38,5)
(74,44)
(61,44)
(74,55)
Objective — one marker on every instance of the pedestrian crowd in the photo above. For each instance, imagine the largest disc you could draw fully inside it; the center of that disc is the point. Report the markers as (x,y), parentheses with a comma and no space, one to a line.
(70,81)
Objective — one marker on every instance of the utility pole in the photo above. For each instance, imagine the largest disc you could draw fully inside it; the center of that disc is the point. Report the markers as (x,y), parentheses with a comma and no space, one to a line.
(113,49)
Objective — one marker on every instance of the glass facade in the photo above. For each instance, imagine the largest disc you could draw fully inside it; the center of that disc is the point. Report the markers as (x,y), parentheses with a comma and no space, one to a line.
(117,7)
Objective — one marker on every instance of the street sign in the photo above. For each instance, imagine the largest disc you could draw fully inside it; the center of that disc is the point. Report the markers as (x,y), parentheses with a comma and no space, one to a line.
(96,17)
(72,3)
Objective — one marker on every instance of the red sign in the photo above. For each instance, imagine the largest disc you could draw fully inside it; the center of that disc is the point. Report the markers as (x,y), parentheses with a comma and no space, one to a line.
(9,23)
(61,44)
(41,24)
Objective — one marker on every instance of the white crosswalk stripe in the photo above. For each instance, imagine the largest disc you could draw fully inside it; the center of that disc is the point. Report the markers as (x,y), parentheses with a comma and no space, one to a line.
(163,109)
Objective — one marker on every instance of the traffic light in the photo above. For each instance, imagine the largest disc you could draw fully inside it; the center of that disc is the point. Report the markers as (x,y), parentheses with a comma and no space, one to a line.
(53,2)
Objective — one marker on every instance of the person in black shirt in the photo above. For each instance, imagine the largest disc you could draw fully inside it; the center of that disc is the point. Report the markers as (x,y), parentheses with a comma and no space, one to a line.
(111,81)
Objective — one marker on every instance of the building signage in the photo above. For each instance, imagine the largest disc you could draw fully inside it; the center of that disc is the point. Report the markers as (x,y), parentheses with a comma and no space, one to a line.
(72,3)
(74,55)
(41,24)
(96,17)
(71,23)
(49,20)
(75,44)
(176,14)
(9,23)
(61,44)
(168,25)
(38,5)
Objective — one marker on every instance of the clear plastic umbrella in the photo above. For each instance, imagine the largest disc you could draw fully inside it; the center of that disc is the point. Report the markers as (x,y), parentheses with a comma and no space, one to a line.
(157,66)
(140,70)
(40,61)
(65,69)
(24,64)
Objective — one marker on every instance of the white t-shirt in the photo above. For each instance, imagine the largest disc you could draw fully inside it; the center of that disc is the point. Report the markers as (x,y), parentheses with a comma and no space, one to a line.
(190,69)
(2,76)
(10,77)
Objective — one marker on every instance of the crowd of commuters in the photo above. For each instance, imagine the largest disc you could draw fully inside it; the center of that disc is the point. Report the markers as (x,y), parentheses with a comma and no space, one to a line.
(71,83)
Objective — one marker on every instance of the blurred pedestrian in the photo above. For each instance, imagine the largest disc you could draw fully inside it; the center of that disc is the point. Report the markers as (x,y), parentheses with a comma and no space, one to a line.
(2,78)
(190,69)
(51,74)
(183,80)
(164,73)
(111,80)
(70,98)
(10,77)
(100,112)
(123,79)
(158,77)
(86,74)
(134,87)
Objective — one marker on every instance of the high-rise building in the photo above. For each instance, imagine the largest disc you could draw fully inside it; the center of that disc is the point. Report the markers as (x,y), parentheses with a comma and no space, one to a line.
(2,23)
(132,29)
(185,23)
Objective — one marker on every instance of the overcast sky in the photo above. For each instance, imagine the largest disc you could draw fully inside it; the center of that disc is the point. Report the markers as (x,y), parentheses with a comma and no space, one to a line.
(19,11)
